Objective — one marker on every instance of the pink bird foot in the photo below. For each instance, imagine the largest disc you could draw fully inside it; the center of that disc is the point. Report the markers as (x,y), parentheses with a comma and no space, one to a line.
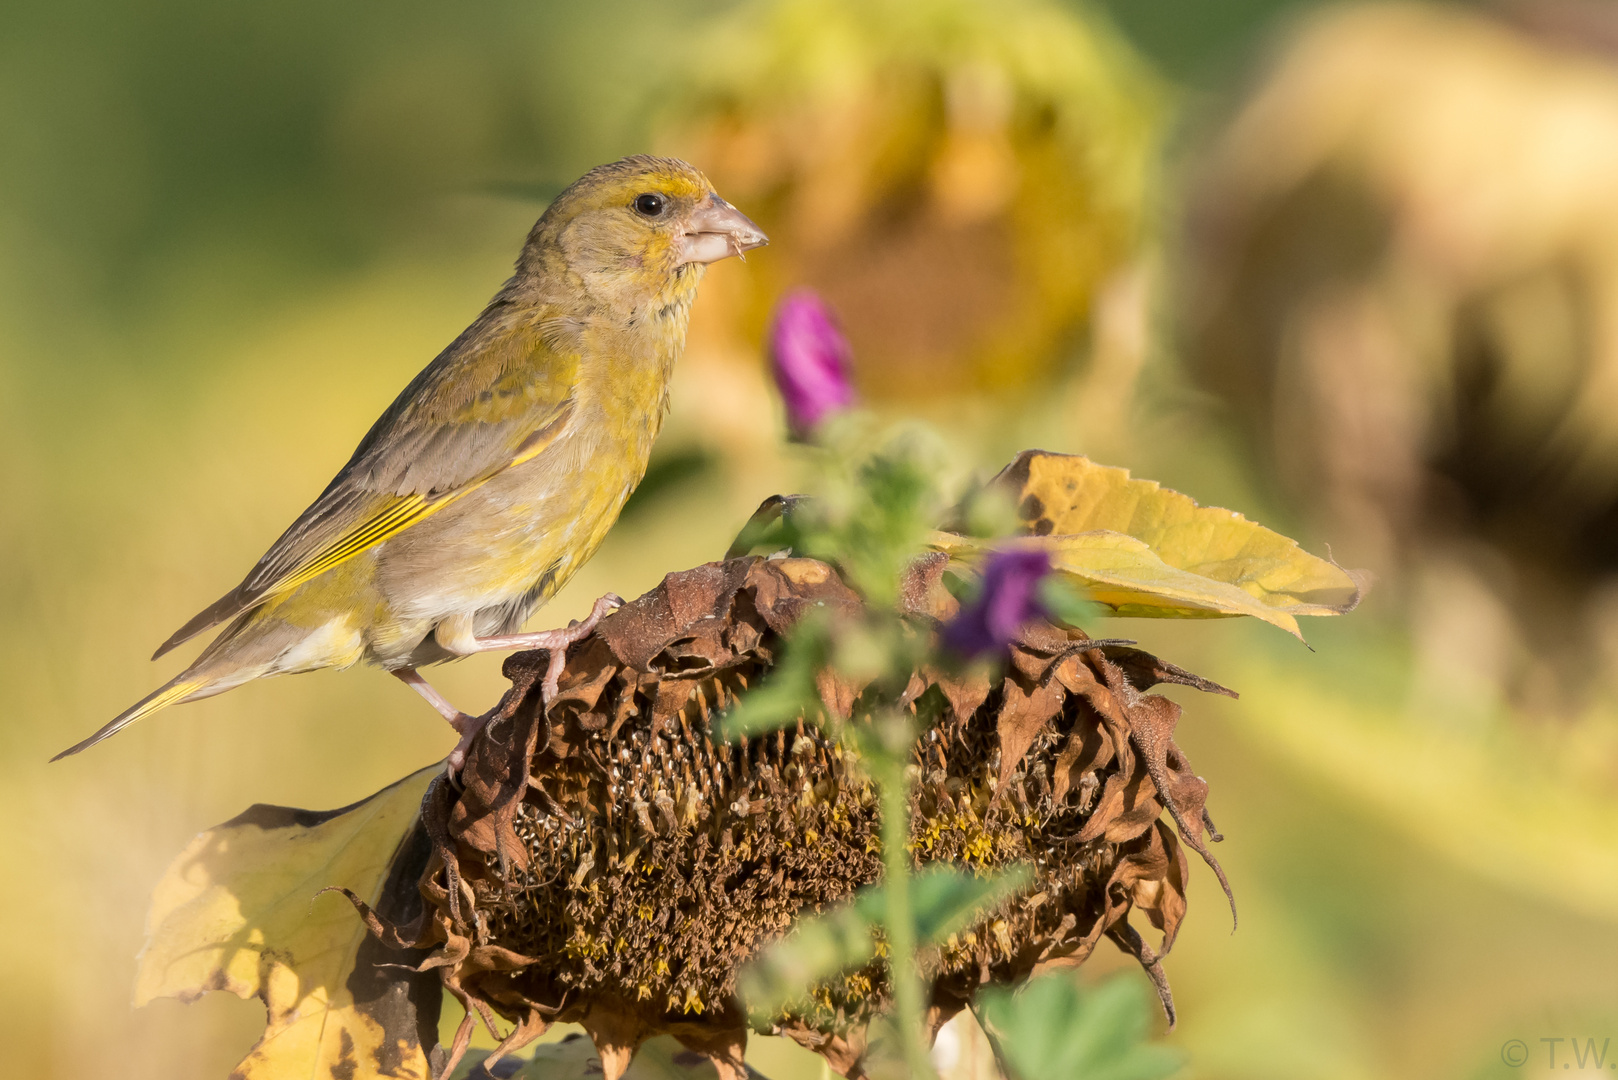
(555,642)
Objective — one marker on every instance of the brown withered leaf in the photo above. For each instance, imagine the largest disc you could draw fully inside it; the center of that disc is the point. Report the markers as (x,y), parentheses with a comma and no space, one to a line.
(1144,671)
(1024,713)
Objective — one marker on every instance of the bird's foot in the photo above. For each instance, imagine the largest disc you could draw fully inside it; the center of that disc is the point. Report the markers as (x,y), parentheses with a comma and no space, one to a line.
(575,631)
(469,727)
(556,642)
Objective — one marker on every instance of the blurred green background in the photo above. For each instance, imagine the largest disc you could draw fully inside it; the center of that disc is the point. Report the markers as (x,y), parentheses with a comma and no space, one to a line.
(1349,271)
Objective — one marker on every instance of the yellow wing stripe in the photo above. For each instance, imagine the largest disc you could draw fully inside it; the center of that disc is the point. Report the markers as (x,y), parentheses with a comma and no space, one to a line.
(405,512)
(396,518)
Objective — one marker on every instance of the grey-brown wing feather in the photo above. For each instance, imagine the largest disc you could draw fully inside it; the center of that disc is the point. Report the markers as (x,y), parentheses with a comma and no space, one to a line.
(471,412)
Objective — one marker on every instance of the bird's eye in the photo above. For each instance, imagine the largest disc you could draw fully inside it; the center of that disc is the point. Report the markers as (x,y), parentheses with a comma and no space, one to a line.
(650,205)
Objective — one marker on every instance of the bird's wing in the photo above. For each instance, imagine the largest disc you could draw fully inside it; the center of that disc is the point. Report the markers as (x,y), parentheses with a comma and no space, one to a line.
(497,397)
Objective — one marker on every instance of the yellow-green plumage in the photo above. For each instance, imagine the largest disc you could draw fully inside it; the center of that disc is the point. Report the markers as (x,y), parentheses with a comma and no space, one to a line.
(498,471)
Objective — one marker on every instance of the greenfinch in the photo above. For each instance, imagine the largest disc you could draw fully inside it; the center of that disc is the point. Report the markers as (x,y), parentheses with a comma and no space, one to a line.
(499,469)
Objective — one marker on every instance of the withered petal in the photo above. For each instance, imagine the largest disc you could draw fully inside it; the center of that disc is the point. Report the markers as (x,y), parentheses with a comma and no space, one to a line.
(611,864)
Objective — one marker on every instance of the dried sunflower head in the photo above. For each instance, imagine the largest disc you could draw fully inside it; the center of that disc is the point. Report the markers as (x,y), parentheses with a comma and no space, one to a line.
(612,862)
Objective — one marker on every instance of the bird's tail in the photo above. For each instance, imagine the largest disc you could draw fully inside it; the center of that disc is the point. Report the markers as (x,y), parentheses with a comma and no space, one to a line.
(175,691)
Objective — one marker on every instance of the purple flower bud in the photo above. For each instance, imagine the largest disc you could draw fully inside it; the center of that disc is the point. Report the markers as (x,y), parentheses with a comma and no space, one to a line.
(811,361)
(1009,601)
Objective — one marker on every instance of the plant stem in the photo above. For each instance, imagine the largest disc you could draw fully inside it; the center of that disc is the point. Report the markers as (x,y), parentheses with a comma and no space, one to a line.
(900,923)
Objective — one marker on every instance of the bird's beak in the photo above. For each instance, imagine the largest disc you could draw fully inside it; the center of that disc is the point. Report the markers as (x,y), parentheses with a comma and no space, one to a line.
(717,230)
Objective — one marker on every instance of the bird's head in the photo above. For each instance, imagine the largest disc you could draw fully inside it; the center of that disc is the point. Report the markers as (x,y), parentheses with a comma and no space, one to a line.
(639,231)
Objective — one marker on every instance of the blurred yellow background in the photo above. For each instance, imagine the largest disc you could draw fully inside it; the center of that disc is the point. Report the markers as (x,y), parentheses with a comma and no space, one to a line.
(1350,271)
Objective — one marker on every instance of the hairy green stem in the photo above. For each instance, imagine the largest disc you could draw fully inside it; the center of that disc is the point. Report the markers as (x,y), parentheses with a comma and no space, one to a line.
(900,922)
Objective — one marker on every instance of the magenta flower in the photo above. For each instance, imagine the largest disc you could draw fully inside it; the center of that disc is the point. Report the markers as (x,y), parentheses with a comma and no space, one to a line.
(1008,601)
(811,361)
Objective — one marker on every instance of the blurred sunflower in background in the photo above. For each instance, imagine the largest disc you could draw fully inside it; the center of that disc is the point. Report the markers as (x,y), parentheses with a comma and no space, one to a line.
(960,179)
(1402,280)
(1399,276)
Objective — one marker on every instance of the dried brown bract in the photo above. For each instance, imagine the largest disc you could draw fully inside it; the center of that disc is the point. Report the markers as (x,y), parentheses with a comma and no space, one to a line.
(613,863)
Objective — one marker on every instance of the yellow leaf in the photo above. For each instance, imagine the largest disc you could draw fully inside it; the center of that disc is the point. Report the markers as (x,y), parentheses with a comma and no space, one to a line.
(238,911)
(1142,550)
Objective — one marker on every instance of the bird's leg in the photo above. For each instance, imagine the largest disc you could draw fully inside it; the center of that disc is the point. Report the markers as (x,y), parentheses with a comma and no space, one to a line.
(462,643)
(465,725)
(411,678)
(556,642)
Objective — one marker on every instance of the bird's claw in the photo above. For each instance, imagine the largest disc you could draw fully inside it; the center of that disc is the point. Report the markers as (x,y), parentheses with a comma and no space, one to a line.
(469,727)
(554,642)
(561,639)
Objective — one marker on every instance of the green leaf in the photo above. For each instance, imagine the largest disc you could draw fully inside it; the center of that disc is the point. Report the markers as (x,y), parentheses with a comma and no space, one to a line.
(790,691)
(1067,601)
(817,948)
(575,1058)
(1052,1027)
(944,901)
(770,529)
